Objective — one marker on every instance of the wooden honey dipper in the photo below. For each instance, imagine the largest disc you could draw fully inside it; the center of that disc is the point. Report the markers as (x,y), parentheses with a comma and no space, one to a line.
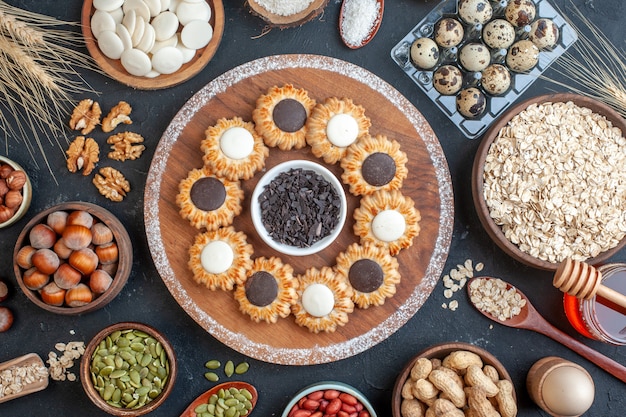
(582,280)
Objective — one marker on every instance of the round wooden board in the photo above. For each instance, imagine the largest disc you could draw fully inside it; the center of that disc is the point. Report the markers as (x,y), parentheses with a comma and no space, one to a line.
(114,69)
(234,94)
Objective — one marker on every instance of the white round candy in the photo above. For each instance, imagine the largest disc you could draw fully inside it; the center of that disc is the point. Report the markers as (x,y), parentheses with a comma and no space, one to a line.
(342,130)
(152,74)
(188,54)
(318,300)
(110,44)
(107,5)
(154,6)
(165,25)
(187,12)
(140,27)
(173,41)
(165,5)
(117,14)
(388,225)
(130,20)
(196,34)
(147,40)
(237,143)
(139,6)
(167,60)
(101,21)
(216,257)
(124,35)
(136,62)
(173,5)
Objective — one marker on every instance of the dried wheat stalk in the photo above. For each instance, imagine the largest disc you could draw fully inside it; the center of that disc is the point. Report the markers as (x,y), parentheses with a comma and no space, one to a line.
(597,70)
(39,57)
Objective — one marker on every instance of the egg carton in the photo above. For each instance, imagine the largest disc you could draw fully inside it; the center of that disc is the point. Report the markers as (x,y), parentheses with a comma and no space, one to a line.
(496,105)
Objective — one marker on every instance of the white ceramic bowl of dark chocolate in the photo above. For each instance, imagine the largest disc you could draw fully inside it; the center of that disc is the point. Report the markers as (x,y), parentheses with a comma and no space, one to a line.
(298,207)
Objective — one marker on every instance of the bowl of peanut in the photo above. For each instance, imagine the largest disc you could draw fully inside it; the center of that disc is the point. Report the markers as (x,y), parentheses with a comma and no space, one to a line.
(548,181)
(451,377)
(16,192)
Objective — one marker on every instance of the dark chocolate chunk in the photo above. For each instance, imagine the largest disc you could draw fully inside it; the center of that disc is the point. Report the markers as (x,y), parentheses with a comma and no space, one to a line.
(289,115)
(366,275)
(261,288)
(299,208)
(378,169)
(208,194)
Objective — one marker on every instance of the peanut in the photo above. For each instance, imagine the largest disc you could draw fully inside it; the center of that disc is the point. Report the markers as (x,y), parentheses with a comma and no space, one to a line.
(447,385)
(445,408)
(506,402)
(407,389)
(480,404)
(425,391)
(475,377)
(491,372)
(412,408)
(421,369)
(459,360)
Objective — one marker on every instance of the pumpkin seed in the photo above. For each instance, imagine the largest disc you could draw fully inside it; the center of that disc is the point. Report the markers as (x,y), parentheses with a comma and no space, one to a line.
(212,376)
(242,368)
(229,368)
(212,364)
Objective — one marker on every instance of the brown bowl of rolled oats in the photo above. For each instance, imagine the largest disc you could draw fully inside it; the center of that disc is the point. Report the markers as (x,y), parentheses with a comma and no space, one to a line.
(549,181)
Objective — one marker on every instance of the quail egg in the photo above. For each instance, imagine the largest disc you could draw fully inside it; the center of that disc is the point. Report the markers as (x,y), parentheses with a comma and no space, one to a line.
(499,34)
(496,79)
(448,32)
(448,80)
(424,53)
(520,12)
(471,102)
(475,11)
(544,33)
(474,56)
(522,56)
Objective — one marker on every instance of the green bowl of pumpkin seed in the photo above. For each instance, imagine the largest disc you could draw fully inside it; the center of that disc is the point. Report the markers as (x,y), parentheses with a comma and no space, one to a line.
(128,369)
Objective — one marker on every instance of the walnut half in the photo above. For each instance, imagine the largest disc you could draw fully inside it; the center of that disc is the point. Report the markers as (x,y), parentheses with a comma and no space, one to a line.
(111,184)
(86,116)
(118,114)
(83,154)
(126,145)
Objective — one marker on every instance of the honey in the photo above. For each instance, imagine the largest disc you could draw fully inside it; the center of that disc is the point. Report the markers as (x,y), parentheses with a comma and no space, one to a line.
(596,318)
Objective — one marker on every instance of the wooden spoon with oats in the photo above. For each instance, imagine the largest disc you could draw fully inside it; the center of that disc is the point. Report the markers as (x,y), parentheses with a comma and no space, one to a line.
(481,294)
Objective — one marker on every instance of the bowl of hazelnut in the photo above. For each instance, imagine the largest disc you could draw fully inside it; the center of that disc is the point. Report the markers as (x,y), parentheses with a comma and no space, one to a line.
(16,192)
(73,258)
(450,378)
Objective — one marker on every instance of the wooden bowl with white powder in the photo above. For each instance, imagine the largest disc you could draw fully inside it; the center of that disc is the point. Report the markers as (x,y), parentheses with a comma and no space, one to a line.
(286,13)
(548,181)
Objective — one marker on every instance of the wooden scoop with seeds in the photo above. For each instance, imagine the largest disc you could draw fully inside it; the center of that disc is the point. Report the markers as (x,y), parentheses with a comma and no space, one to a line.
(582,280)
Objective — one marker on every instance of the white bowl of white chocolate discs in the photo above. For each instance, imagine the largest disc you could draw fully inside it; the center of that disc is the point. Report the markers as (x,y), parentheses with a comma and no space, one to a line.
(152,44)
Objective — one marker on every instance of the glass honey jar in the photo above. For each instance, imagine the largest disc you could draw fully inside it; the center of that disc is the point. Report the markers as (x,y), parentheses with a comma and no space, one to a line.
(597,318)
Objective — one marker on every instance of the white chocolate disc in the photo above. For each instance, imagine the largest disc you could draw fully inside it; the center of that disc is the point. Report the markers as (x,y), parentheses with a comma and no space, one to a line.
(196,34)
(165,25)
(318,300)
(140,27)
(154,6)
(216,257)
(173,5)
(342,130)
(107,5)
(101,21)
(237,143)
(167,60)
(173,41)
(165,5)
(388,225)
(110,44)
(117,14)
(147,40)
(187,12)
(136,62)
(130,20)
(188,54)
(139,6)
(152,74)
(124,35)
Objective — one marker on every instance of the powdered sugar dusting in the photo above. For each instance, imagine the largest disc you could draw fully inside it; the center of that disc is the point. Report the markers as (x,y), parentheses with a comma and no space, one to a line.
(320,354)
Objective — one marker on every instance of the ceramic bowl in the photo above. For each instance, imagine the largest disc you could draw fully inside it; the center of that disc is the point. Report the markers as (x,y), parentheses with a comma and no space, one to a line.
(257,220)
(110,336)
(440,351)
(117,262)
(27,194)
(325,386)
(494,230)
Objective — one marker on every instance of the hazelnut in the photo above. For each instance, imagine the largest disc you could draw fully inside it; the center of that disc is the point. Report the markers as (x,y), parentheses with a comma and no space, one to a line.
(80,217)
(16,180)
(5,213)
(42,236)
(61,249)
(78,296)
(34,280)
(67,277)
(24,257)
(4,291)
(4,188)
(46,261)
(57,221)
(101,234)
(53,295)
(84,260)
(5,170)
(13,199)
(76,236)
(107,253)
(100,281)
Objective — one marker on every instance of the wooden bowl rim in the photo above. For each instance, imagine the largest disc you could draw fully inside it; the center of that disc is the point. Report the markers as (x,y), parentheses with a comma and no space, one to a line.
(27,193)
(494,231)
(124,265)
(326,385)
(440,351)
(114,69)
(85,365)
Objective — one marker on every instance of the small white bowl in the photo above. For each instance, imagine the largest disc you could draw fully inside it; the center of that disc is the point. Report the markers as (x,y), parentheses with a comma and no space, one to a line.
(330,385)
(255,208)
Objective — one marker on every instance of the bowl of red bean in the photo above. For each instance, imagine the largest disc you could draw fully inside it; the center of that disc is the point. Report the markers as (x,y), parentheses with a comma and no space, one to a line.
(329,398)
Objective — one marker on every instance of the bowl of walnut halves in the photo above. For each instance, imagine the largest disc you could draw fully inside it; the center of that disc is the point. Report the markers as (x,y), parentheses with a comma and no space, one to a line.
(452,379)
(73,258)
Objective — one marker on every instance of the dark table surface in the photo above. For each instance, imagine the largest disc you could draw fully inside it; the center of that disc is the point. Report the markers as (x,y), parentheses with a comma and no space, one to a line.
(146,299)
